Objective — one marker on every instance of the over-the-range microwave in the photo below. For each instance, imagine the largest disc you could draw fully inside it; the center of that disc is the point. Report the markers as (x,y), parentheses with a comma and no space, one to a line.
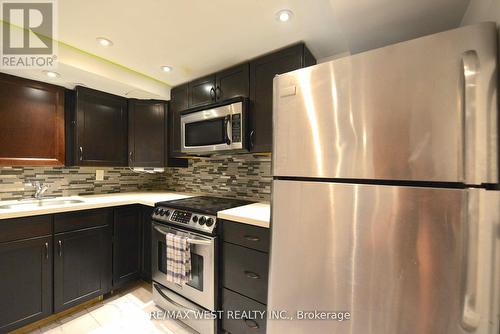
(216,130)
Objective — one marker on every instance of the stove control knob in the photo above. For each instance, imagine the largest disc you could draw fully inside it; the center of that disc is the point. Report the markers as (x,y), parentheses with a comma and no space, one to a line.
(195,219)
(202,220)
(162,212)
(167,213)
(157,211)
(210,222)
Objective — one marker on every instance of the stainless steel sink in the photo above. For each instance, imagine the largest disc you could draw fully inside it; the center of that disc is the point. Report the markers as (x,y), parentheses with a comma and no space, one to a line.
(39,203)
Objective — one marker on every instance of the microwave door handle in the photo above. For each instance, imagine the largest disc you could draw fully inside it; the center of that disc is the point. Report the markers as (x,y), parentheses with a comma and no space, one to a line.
(227,122)
(190,240)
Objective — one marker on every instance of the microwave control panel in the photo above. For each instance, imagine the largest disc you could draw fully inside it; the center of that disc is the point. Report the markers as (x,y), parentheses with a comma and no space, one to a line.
(236,127)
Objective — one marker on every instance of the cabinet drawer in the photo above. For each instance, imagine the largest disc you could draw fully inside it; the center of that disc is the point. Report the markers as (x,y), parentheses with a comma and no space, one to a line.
(25,227)
(246,235)
(77,220)
(245,271)
(232,301)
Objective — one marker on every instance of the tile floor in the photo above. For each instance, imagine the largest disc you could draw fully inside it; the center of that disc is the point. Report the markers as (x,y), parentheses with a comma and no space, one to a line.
(125,312)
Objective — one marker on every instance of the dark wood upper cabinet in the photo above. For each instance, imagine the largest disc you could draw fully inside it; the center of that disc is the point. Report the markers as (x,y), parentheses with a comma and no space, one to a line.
(232,82)
(146,132)
(127,232)
(100,129)
(202,91)
(178,102)
(31,122)
(262,72)
(179,99)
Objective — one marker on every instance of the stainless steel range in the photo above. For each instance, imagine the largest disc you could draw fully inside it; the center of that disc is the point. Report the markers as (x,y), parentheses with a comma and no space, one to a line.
(195,218)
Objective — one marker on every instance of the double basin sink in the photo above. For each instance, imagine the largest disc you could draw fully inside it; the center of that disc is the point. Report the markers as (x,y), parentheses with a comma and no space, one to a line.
(30,204)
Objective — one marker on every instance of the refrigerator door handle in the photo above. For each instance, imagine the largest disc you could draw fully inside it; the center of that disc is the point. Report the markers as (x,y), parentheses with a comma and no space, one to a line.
(470,316)
(470,67)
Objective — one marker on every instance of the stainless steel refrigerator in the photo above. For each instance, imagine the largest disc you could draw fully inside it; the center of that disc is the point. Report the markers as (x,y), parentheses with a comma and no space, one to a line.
(385,193)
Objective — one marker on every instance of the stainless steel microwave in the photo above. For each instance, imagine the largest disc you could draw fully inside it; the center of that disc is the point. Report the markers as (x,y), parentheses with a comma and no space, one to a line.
(217,130)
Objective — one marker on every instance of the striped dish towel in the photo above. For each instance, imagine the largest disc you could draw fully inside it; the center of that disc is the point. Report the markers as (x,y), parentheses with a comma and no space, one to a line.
(178,259)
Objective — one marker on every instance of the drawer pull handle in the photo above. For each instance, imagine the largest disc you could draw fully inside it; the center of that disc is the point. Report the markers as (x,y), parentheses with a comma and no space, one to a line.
(251,324)
(252,275)
(251,238)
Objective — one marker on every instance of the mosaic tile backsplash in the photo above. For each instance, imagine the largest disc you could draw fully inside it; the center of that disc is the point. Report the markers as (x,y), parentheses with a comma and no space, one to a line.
(239,176)
(15,182)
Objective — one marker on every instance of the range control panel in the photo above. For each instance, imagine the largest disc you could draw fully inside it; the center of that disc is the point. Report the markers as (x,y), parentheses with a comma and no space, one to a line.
(201,222)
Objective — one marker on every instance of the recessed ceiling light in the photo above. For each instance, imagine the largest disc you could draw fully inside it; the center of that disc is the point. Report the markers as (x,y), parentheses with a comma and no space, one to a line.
(52,74)
(104,41)
(167,68)
(284,15)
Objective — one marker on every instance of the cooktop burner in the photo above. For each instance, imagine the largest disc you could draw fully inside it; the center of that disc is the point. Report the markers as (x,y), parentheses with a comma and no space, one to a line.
(204,204)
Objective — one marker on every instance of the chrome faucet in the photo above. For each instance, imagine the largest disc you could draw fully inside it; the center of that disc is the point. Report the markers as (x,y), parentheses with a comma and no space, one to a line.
(40,189)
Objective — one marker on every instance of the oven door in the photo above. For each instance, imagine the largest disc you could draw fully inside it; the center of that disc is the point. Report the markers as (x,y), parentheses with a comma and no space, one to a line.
(201,288)
(217,129)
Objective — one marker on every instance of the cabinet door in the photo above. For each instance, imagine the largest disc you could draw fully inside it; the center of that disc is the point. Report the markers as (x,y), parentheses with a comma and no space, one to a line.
(126,245)
(178,102)
(262,72)
(31,122)
(101,127)
(146,133)
(232,82)
(170,141)
(146,243)
(81,266)
(202,91)
(26,289)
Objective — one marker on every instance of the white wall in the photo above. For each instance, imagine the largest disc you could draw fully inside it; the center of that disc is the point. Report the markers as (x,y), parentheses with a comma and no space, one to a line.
(481,11)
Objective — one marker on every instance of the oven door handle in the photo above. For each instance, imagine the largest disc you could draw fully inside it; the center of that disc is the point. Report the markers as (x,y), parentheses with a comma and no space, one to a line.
(190,240)
(171,301)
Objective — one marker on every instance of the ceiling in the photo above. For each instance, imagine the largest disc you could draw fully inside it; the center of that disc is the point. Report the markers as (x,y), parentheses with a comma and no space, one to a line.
(199,37)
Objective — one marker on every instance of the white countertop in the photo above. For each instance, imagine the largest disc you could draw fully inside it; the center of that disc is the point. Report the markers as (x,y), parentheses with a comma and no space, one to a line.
(90,202)
(257,214)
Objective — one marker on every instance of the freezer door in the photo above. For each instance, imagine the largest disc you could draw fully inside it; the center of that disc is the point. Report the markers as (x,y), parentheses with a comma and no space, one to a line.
(398,259)
(423,110)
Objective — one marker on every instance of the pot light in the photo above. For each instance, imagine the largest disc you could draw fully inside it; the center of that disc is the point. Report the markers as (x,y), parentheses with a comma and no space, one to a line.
(167,68)
(104,41)
(284,15)
(52,74)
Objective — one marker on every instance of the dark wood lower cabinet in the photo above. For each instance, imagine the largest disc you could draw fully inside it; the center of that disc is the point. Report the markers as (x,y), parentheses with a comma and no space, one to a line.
(127,248)
(26,277)
(234,302)
(146,243)
(51,263)
(81,266)
(245,263)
